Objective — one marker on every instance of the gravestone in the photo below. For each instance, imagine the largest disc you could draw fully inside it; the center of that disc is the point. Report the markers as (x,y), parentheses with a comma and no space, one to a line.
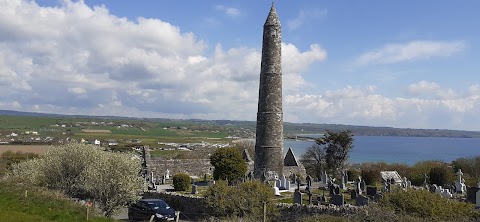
(309,181)
(363,185)
(358,185)
(361,200)
(278,183)
(192,181)
(471,194)
(276,191)
(460,184)
(167,174)
(446,193)
(324,198)
(310,198)
(377,197)
(345,177)
(331,188)
(297,197)
(343,185)
(338,200)
(194,189)
(287,185)
(204,178)
(324,177)
(353,194)
(298,183)
(283,183)
(371,191)
(164,180)
(425,178)
(477,205)
(337,190)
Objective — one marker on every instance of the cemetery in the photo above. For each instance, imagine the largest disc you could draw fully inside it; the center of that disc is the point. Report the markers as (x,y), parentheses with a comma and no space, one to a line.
(328,195)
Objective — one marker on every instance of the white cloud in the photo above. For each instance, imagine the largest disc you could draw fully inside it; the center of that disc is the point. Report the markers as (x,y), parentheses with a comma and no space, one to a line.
(305,16)
(77,90)
(363,106)
(430,89)
(229,11)
(413,50)
(77,59)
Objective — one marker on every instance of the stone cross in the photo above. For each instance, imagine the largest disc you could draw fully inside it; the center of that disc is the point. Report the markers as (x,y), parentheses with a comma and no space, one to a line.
(298,183)
(309,181)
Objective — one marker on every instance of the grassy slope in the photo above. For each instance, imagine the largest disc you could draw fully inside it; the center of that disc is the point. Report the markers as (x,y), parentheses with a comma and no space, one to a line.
(39,205)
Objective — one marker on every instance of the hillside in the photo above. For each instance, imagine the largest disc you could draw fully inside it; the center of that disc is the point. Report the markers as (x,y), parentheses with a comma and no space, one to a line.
(248,127)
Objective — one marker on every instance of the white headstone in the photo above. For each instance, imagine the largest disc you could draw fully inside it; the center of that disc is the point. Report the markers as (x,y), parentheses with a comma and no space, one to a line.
(167,174)
(277,191)
(287,185)
(446,193)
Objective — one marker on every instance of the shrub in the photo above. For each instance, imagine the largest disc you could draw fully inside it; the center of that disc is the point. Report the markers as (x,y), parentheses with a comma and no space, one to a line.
(112,179)
(181,182)
(245,200)
(426,205)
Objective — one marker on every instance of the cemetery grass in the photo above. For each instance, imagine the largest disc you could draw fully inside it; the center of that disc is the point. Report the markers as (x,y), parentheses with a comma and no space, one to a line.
(39,205)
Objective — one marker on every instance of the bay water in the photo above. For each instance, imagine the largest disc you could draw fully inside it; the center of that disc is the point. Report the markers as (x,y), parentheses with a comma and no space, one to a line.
(393,149)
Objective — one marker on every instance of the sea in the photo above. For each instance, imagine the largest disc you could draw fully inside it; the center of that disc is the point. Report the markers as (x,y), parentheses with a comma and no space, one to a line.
(393,149)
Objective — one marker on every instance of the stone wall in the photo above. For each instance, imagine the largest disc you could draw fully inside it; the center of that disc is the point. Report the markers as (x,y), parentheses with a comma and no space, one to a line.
(295,211)
(190,206)
(195,207)
(192,167)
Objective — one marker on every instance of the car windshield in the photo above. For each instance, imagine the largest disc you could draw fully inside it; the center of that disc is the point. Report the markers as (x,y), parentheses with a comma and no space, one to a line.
(158,205)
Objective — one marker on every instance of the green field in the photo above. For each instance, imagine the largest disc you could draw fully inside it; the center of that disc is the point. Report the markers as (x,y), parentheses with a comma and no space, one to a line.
(149,132)
(39,205)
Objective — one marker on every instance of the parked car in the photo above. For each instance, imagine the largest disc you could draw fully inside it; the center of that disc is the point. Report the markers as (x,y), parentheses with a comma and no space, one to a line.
(145,208)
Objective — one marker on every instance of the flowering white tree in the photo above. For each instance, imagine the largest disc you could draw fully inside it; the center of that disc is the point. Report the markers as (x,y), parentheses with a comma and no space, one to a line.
(113,179)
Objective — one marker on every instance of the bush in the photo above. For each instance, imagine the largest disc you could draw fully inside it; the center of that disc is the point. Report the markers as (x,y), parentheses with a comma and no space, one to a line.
(81,170)
(245,200)
(426,205)
(229,164)
(181,182)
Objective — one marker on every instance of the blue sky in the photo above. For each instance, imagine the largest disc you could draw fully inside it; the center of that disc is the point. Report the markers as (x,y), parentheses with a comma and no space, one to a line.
(380,63)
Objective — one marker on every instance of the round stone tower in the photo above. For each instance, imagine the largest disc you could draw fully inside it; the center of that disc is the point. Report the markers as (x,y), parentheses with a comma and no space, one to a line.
(269,132)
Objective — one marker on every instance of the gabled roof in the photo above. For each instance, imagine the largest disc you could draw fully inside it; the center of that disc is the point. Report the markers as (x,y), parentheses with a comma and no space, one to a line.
(290,159)
(391,175)
(246,156)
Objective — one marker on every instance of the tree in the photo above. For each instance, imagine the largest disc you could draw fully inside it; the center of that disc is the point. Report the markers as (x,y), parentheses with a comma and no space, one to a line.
(79,170)
(441,175)
(314,159)
(328,153)
(229,164)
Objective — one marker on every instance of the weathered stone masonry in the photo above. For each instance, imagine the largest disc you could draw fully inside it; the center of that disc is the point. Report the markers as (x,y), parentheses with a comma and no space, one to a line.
(269,132)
